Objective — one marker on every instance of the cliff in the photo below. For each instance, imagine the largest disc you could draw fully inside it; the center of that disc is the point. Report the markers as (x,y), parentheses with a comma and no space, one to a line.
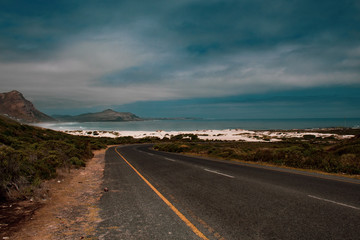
(14,105)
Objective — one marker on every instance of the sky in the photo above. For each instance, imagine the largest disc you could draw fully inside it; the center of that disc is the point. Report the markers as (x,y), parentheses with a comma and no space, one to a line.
(184,58)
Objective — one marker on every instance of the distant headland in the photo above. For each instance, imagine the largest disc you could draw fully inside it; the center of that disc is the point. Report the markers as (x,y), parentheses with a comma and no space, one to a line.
(107,115)
(14,105)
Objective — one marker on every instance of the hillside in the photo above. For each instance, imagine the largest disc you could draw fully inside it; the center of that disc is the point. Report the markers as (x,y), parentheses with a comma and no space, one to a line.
(14,105)
(108,115)
(29,155)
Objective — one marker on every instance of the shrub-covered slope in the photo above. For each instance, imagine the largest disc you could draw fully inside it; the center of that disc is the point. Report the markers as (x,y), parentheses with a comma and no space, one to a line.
(29,155)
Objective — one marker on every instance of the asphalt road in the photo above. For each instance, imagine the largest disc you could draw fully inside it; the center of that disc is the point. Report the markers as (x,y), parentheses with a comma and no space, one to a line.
(219,200)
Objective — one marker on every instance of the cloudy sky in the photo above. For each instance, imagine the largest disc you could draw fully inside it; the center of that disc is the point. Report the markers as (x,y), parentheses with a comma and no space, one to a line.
(194,58)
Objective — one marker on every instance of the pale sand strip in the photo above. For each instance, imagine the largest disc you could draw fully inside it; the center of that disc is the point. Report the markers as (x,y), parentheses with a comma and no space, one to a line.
(222,135)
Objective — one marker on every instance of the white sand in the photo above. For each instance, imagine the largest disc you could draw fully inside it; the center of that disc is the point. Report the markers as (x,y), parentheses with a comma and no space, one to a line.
(223,135)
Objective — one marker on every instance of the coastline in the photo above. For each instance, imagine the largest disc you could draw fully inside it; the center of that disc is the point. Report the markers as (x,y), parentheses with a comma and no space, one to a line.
(215,135)
(206,124)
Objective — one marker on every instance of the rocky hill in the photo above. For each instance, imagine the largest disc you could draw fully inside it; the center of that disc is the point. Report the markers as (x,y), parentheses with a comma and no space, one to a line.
(14,105)
(108,115)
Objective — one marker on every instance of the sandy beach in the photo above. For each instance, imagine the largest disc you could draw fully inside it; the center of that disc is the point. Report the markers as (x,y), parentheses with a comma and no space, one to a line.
(222,135)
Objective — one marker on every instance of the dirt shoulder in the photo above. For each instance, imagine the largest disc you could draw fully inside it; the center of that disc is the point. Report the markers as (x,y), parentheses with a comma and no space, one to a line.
(70,212)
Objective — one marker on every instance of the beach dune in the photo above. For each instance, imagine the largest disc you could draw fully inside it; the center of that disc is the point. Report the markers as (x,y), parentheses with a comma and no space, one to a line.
(222,135)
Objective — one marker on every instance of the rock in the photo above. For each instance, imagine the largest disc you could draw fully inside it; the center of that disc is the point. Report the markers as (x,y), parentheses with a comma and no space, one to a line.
(14,105)
(106,189)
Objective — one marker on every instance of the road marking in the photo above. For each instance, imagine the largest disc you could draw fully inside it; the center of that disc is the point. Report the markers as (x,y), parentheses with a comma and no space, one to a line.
(170,159)
(338,203)
(167,202)
(302,172)
(223,174)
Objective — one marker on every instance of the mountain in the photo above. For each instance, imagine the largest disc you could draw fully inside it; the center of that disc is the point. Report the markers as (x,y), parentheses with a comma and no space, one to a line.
(108,115)
(14,105)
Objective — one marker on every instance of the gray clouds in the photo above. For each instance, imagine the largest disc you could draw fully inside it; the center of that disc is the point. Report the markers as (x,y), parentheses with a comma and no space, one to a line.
(115,52)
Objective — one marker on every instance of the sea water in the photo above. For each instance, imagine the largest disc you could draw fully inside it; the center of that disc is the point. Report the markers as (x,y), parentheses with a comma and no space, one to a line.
(207,124)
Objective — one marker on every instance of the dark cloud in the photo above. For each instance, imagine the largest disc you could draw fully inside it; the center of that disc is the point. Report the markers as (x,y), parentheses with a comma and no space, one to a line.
(176,49)
(132,76)
(243,24)
(323,102)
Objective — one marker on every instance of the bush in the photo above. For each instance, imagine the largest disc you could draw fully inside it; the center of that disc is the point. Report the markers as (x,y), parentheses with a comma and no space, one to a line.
(185,137)
(309,136)
(350,163)
(263,155)
(341,157)
(29,155)
(173,147)
(77,162)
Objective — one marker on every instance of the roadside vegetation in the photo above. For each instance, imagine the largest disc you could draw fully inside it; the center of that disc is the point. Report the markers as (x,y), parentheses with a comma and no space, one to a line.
(30,155)
(327,155)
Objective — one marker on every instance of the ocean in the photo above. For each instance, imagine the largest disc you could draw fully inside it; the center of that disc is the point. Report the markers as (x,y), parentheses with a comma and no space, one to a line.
(207,124)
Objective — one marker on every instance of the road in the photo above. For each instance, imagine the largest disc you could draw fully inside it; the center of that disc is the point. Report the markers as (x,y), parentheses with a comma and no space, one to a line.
(158,195)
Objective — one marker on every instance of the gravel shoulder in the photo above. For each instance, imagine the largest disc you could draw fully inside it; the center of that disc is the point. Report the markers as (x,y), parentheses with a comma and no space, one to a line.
(71,211)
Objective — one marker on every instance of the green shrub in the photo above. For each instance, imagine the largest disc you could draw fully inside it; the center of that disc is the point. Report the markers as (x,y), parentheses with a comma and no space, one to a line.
(77,162)
(350,163)
(309,136)
(342,156)
(29,155)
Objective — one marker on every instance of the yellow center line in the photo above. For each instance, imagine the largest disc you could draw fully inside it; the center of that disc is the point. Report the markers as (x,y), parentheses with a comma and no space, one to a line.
(172,207)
